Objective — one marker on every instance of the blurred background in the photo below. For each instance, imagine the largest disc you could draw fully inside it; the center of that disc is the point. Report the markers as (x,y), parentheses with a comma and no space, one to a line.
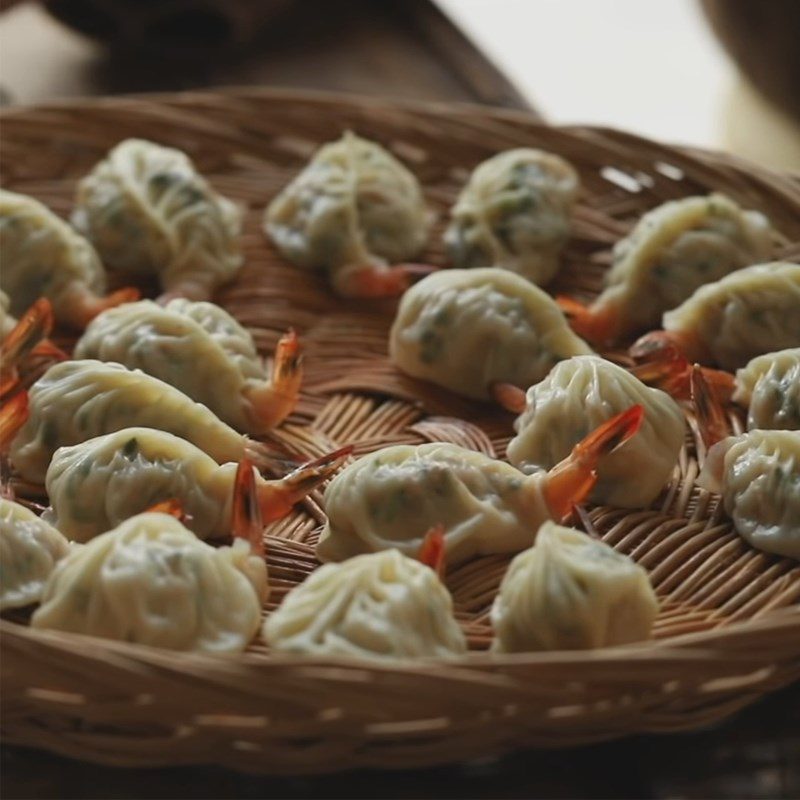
(712,73)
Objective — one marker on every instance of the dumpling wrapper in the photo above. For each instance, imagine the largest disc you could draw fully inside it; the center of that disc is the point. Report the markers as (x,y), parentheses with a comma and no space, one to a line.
(514,213)
(151,581)
(29,551)
(466,329)
(571,592)
(381,605)
(758,476)
(769,387)
(578,396)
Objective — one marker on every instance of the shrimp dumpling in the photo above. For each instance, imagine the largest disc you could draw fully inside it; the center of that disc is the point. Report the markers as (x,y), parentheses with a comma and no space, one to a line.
(353,206)
(147,210)
(750,312)
(380,605)
(577,396)
(571,592)
(151,581)
(466,329)
(758,476)
(201,350)
(769,386)
(29,551)
(514,213)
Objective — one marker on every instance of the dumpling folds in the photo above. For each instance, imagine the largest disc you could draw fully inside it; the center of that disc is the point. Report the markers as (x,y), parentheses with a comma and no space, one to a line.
(676,248)
(197,347)
(381,605)
(29,550)
(153,582)
(748,313)
(514,213)
(578,396)
(392,497)
(353,204)
(98,484)
(78,400)
(466,329)
(147,210)
(43,256)
(758,476)
(769,386)
(571,592)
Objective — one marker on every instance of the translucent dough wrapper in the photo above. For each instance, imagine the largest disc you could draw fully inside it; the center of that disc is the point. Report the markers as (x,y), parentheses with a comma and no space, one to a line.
(466,329)
(151,581)
(381,605)
(100,483)
(758,476)
(353,204)
(43,256)
(392,497)
(578,396)
(571,592)
(147,210)
(514,213)
(748,313)
(769,387)
(676,248)
(196,347)
(29,550)
(78,400)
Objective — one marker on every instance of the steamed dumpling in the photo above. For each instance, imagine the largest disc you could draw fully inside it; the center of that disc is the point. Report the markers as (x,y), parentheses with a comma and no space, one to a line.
(466,329)
(153,582)
(29,550)
(147,210)
(673,250)
(571,592)
(769,387)
(77,400)
(748,313)
(7,322)
(576,397)
(43,256)
(353,204)
(381,605)
(758,476)
(514,213)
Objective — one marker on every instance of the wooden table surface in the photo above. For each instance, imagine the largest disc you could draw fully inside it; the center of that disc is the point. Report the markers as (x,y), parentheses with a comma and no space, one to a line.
(404,49)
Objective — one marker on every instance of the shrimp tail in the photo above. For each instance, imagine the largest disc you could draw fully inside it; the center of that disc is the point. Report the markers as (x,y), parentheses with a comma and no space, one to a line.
(375,280)
(711,419)
(13,415)
(508,396)
(432,551)
(595,323)
(247,521)
(85,306)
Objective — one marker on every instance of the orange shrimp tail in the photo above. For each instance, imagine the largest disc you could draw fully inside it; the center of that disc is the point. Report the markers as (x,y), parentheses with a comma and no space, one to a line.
(596,324)
(172,507)
(665,345)
(432,551)
(508,396)
(247,522)
(571,481)
(711,419)
(34,326)
(13,415)
(87,306)
(376,280)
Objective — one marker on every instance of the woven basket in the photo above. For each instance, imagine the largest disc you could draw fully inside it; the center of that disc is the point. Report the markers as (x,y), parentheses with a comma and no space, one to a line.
(729,627)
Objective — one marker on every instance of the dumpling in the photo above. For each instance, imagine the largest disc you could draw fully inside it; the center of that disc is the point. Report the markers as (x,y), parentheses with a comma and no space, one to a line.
(393,497)
(467,329)
(201,350)
(381,605)
(77,400)
(353,211)
(571,592)
(151,581)
(147,210)
(7,322)
(769,386)
(579,395)
(748,313)
(514,213)
(758,476)
(98,484)
(42,256)
(29,550)
(673,250)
